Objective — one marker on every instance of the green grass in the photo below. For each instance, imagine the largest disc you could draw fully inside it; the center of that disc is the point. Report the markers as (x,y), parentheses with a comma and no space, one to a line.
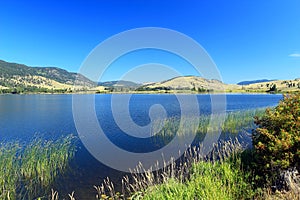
(29,171)
(208,180)
(196,177)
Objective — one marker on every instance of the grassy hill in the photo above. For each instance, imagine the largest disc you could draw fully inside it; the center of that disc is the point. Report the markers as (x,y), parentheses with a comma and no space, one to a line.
(279,85)
(189,83)
(22,77)
(198,84)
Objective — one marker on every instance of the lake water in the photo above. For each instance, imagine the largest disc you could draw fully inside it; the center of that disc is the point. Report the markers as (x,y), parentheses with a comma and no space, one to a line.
(24,116)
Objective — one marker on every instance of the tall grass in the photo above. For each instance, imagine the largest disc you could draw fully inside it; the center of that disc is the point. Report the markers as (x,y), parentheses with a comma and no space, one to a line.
(28,171)
(238,121)
(208,180)
(9,173)
(216,176)
(164,130)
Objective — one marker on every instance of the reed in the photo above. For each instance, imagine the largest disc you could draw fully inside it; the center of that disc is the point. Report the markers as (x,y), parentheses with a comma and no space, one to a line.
(28,171)
(8,170)
(163,131)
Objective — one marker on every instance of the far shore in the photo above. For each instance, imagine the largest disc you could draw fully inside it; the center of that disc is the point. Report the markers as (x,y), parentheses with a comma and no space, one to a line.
(152,92)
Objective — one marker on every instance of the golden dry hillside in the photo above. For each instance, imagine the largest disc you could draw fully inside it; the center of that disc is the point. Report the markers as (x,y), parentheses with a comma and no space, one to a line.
(191,83)
(280,85)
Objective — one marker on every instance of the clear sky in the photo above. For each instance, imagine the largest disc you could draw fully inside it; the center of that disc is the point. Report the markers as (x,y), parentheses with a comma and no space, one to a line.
(247,39)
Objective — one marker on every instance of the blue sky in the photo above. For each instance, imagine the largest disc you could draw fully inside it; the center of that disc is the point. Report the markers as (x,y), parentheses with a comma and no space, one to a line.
(249,39)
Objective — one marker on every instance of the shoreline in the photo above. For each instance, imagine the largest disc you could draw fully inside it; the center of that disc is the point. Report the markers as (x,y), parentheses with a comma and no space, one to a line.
(153,93)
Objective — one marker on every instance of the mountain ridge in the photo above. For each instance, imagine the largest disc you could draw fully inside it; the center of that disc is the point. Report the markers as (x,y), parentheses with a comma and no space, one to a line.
(120,83)
(254,81)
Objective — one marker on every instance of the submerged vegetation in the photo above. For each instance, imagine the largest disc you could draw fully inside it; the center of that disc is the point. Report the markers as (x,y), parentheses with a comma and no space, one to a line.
(28,171)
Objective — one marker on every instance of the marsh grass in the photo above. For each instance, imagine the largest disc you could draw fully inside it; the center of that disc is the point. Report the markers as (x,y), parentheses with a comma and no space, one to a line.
(238,121)
(9,170)
(214,176)
(232,123)
(28,171)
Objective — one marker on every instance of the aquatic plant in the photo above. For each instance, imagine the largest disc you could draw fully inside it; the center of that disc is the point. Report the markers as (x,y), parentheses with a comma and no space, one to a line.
(8,170)
(235,122)
(28,171)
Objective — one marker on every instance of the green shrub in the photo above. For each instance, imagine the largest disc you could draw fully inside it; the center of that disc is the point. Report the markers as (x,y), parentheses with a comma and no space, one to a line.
(276,141)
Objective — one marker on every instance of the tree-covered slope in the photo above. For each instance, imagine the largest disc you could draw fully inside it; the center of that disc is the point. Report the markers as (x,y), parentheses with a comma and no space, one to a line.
(9,72)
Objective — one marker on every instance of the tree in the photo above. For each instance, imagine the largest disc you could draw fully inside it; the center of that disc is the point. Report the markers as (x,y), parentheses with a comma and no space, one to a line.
(273,88)
(201,90)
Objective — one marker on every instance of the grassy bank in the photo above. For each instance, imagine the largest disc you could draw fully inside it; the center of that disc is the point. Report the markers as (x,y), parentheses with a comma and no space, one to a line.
(28,171)
(222,174)
(208,180)
(218,175)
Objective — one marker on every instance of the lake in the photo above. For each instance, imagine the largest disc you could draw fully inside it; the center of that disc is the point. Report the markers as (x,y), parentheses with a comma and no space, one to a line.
(23,117)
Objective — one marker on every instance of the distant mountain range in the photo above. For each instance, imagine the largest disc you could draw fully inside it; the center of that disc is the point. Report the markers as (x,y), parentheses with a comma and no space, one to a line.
(254,81)
(19,78)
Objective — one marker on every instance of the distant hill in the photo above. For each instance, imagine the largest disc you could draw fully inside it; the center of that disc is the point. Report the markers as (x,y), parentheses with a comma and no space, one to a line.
(254,81)
(280,85)
(19,75)
(189,83)
(120,83)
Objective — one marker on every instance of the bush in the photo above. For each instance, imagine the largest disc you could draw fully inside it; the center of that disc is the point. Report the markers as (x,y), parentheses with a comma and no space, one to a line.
(276,141)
